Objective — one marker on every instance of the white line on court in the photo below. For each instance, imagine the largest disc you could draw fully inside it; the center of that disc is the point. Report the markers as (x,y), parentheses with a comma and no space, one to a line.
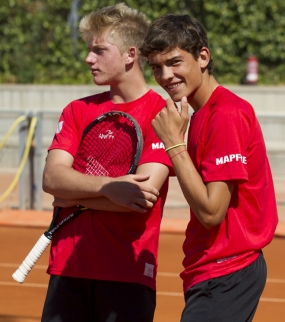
(37,285)
(263,299)
(269,280)
(8,265)
(272,300)
(275,280)
(166,274)
(180,294)
(159,293)
(163,274)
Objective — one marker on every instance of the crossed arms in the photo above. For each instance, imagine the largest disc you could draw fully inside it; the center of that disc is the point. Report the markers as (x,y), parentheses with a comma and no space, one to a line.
(136,192)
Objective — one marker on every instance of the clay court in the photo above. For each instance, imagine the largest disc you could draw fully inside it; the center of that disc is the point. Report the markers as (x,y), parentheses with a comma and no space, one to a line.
(19,230)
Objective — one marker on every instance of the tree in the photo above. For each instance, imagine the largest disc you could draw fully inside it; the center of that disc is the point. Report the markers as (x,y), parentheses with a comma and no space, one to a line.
(40,41)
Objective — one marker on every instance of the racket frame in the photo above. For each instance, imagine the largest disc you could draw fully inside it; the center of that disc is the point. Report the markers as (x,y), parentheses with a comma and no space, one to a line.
(43,242)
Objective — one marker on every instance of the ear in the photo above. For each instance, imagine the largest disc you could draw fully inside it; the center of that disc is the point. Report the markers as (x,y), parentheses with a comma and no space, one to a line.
(204,57)
(131,55)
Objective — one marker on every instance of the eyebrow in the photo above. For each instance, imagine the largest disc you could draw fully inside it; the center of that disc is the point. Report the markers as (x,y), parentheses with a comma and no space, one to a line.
(169,60)
(96,47)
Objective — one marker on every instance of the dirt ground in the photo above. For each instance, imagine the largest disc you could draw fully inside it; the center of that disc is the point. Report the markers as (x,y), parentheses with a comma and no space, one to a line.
(23,303)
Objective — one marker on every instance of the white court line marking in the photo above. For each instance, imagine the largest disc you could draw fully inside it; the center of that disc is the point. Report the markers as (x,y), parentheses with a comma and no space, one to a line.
(272,300)
(166,274)
(159,293)
(17,265)
(169,294)
(269,280)
(263,299)
(275,280)
(37,285)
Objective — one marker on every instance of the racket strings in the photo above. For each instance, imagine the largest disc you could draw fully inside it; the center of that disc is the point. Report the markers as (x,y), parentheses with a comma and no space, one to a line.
(110,144)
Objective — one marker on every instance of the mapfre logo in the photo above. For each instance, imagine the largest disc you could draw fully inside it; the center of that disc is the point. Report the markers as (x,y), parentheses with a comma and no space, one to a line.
(157,146)
(231,158)
(59,127)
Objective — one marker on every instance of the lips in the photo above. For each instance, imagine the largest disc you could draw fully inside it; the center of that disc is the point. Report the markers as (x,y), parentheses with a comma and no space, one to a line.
(173,86)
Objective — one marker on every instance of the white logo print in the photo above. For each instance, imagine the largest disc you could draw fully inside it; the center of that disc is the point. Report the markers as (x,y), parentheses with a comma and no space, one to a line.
(59,127)
(108,135)
(231,158)
(148,270)
(156,146)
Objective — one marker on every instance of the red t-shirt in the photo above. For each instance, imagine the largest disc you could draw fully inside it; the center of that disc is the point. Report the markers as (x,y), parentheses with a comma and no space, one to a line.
(225,143)
(105,245)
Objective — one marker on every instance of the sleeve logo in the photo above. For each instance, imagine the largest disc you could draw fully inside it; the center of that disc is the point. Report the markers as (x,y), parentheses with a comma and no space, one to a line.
(59,127)
(157,146)
(231,158)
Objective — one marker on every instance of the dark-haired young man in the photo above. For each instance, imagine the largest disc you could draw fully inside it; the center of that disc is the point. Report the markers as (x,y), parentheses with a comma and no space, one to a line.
(224,174)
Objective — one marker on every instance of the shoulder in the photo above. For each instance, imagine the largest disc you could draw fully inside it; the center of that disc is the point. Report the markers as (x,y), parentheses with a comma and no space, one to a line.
(155,99)
(85,103)
(93,99)
(228,104)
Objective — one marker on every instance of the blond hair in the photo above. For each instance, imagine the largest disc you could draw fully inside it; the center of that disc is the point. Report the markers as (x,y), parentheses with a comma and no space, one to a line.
(126,27)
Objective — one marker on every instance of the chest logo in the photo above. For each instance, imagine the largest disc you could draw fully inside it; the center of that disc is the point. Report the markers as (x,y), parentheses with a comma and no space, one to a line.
(107,135)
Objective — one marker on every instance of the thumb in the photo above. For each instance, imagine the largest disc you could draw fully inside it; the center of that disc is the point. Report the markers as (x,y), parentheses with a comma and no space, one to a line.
(141,177)
(184,107)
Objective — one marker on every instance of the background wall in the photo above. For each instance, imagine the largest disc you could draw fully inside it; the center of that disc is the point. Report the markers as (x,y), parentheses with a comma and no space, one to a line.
(268,102)
(46,102)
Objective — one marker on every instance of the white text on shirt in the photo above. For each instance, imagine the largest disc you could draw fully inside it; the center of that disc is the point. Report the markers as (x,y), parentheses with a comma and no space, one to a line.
(231,158)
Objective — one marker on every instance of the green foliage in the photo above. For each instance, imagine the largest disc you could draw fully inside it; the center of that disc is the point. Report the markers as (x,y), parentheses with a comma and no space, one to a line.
(40,41)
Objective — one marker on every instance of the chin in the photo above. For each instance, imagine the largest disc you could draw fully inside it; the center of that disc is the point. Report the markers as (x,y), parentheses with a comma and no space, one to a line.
(98,83)
(175,97)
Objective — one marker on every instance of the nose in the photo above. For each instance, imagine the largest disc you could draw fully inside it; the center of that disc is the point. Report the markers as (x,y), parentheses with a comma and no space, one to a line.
(90,58)
(166,73)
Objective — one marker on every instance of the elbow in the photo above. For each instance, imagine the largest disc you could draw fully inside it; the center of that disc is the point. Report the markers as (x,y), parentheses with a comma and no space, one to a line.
(47,183)
(210,221)
(210,224)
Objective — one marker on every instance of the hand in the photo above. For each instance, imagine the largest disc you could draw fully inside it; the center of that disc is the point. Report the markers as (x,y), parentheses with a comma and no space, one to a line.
(131,191)
(170,125)
(63,203)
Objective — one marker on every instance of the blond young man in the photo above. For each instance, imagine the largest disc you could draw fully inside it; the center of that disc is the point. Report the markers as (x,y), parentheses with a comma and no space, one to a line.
(103,264)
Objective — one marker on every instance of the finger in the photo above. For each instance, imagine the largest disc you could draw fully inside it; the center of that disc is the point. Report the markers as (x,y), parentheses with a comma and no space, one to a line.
(138,208)
(140,177)
(184,107)
(149,191)
(151,197)
(144,204)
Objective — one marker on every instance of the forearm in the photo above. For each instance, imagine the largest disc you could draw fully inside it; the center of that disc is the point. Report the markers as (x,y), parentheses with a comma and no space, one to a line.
(209,202)
(64,182)
(122,189)
(100,203)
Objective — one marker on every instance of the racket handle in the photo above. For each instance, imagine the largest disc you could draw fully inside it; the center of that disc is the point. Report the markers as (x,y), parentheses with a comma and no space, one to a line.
(29,262)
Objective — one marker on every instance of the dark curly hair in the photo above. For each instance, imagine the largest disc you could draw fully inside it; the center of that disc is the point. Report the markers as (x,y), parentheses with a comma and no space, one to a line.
(176,31)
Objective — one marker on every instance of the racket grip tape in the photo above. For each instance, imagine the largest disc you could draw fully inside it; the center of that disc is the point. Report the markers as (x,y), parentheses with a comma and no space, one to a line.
(31,259)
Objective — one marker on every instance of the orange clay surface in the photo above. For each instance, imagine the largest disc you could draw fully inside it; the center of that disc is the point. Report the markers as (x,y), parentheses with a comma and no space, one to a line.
(20,229)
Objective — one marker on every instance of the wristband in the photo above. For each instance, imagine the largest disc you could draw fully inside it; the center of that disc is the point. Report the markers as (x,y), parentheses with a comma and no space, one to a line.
(177,154)
(175,146)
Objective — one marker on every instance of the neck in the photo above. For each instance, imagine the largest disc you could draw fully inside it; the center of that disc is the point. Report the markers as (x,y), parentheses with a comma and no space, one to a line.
(130,89)
(203,93)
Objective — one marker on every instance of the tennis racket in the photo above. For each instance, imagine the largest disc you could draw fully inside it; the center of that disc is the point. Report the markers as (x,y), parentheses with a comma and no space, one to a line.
(111,145)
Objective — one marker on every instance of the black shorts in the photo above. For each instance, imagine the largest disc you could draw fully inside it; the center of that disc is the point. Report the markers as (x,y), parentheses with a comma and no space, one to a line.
(83,300)
(230,298)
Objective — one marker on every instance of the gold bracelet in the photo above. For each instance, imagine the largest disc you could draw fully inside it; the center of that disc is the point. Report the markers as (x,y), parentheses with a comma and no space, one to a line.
(175,146)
